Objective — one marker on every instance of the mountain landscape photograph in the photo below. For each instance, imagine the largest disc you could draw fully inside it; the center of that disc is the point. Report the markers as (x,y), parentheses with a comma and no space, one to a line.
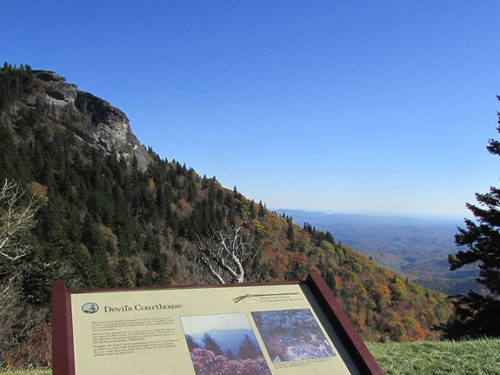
(223,350)
(356,140)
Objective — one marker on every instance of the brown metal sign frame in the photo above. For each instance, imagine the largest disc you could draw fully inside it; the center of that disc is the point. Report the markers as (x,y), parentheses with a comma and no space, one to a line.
(354,352)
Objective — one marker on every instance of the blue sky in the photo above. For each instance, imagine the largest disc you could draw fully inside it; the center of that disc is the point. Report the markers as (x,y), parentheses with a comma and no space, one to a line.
(363,106)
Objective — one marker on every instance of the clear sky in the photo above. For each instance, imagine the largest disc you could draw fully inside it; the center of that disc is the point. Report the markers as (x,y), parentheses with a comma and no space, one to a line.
(365,106)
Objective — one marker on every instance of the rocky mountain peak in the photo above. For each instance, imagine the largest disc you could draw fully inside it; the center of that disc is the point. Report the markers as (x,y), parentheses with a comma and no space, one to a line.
(91,118)
(108,128)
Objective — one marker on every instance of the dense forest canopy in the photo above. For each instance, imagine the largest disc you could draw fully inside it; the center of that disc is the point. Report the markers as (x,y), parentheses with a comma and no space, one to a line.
(104,221)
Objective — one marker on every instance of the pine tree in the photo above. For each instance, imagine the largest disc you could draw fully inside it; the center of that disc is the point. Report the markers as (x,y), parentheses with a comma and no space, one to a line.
(191,343)
(252,209)
(477,315)
(125,278)
(229,355)
(210,344)
(290,234)
(262,211)
(248,350)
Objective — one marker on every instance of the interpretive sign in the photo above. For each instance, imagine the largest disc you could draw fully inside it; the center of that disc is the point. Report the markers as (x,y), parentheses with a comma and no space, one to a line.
(251,329)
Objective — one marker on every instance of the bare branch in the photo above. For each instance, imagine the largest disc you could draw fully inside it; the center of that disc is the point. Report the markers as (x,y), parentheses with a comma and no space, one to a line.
(16,219)
(9,293)
(226,254)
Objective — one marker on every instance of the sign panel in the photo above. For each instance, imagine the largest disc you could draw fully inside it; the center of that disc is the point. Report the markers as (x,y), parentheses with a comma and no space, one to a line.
(241,329)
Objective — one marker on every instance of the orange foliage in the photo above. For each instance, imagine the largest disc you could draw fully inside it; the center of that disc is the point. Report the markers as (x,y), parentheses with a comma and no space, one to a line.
(338,282)
(362,318)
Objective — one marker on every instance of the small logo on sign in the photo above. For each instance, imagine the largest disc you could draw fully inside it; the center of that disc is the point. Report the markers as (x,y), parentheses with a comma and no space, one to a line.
(90,308)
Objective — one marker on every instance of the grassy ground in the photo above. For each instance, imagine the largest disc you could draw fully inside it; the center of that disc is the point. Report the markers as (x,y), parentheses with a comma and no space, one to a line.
(27,372)
(477,357)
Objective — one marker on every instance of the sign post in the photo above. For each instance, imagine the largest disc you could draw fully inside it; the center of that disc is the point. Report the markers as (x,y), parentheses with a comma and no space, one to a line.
(256,328)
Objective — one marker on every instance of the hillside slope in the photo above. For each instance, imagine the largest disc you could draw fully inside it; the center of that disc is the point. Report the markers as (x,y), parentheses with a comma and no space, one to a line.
(115,214)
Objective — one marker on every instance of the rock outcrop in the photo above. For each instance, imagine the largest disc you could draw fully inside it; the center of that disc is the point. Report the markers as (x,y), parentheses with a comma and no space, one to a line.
(108,127)
(92,119)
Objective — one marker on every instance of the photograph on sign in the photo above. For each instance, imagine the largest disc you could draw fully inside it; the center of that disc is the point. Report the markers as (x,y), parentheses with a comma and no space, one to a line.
(292,335)
(223,344)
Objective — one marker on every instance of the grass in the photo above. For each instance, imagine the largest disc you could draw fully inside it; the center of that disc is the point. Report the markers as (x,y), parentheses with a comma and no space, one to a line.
(474,357)
(28,372)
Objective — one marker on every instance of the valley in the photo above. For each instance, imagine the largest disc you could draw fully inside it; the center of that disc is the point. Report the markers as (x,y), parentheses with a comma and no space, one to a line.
(417,248)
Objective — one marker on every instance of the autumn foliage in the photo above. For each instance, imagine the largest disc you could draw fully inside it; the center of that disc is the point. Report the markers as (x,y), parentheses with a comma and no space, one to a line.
(381,304)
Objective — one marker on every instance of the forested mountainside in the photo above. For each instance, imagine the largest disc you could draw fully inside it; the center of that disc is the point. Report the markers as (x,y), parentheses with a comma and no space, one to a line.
(114,214)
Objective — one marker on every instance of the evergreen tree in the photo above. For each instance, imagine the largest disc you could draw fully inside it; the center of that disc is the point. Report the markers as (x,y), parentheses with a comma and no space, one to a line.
(229,355)
(329,237)
(477,315)
(290,234)
(191,343)
(262,211)
(248,350)
(252,209)
(125,278)
(210,344)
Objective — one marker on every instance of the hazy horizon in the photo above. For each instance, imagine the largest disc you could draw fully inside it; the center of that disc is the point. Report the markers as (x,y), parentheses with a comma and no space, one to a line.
(408,215)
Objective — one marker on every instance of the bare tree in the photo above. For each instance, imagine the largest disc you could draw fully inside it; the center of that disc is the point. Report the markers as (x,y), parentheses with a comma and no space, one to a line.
(17,212)
(226,254)
(18,320)
(9,292)
(16,219)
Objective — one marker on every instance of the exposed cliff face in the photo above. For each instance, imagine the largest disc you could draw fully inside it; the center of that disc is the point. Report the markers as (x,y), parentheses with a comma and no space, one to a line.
(91,118)
(108,128)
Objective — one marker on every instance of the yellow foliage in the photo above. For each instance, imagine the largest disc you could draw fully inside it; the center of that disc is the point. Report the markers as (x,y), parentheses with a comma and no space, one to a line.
(152,187)
(273,222)
(399,289)
(257,225)
(381,291)
(327,246)
(151,184)
(39,191)
(108,235)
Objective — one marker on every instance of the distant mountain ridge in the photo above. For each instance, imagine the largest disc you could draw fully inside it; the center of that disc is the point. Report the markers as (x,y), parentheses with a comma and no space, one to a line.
(416,247)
